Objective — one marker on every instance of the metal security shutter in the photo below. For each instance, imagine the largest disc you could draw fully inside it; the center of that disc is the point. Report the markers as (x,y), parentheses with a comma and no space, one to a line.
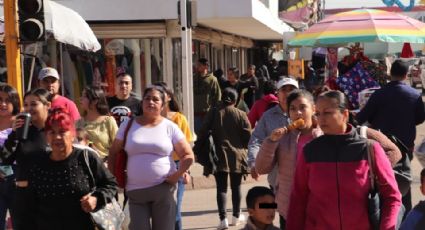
(129,30)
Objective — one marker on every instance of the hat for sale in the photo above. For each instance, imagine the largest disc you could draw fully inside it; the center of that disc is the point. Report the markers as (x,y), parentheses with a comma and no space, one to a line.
(48,72)
(287,81)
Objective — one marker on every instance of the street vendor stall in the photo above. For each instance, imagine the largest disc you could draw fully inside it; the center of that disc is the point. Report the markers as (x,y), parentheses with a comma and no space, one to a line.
(356,71)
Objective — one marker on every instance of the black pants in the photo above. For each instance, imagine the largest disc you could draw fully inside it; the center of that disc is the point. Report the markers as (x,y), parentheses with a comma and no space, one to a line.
(24,209)
(235,185)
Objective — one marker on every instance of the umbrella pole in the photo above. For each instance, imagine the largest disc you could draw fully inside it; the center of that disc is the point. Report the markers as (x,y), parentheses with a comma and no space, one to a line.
(61,79)
(32,67)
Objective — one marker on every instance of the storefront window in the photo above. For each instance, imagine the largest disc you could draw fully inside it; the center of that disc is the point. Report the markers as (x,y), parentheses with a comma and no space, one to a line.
(177,70)
(141,58)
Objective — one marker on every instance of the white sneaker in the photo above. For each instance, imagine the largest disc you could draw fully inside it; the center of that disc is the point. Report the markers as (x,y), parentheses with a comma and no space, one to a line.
(237,221)
(224,224)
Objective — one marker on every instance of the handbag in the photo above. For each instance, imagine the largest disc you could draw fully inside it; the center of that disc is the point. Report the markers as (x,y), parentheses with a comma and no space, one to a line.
(109,217)
(374,204)
(120,167)
(204,149)
(402,169)
(373,201)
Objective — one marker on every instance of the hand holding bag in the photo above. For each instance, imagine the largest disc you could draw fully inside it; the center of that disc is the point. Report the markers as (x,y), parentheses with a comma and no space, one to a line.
(109,217)
(120,167)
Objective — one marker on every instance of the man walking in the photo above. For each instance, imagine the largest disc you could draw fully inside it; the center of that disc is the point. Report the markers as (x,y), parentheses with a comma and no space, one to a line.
(206,92)
(123,105)
(396,109)
(249,77)
(48,78)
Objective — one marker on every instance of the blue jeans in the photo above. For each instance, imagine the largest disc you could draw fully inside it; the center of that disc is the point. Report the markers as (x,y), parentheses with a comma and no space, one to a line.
(7,192)
(180,191)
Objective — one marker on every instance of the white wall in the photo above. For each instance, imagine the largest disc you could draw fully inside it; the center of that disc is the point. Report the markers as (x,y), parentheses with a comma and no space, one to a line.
(97,10)
(224,8)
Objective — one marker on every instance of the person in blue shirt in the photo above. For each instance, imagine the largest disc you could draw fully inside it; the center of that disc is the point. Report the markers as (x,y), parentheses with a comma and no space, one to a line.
(396,109)
(415,220)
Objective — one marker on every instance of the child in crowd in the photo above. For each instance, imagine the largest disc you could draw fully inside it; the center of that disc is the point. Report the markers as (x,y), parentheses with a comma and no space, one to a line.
(83,137)
(415,220)
(261,209)
(82,141)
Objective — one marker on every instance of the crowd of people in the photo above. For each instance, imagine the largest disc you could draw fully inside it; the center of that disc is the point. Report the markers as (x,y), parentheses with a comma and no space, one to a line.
(322,172)
(319,172)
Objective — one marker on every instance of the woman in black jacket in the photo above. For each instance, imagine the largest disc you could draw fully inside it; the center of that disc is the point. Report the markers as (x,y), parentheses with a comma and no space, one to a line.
(22,151)
(60,179)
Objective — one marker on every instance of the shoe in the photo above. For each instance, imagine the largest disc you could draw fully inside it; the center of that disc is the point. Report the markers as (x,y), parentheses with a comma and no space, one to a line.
(237,221)
(224,224)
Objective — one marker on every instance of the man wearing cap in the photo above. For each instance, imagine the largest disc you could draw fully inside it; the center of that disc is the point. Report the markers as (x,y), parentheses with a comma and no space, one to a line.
(48,79)
(206,92)
(272,119)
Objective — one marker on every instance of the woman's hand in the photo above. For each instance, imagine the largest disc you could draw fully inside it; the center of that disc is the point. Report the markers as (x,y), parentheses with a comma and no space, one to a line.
(88,203)
(254,174)
(278,133)
(173,178)
(17,123)
(186,178)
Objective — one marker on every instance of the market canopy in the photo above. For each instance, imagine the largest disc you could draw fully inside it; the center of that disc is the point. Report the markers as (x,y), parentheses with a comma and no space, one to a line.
(362,25)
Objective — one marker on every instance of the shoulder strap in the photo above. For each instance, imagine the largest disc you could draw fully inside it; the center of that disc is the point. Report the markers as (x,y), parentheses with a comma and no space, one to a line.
(371,161)
(363,131)
(87,163)
(126,130)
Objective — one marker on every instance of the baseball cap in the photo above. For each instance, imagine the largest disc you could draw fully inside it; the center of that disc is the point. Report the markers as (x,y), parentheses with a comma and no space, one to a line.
(287,81)
(48,72)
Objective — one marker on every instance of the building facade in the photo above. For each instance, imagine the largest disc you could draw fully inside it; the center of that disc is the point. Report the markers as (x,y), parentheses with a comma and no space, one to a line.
(143,38)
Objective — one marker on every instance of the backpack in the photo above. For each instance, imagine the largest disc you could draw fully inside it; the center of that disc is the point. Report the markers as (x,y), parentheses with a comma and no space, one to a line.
(401,170)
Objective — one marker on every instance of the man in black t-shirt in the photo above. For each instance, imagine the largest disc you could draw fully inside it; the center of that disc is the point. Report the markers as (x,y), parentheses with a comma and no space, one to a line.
(123,105)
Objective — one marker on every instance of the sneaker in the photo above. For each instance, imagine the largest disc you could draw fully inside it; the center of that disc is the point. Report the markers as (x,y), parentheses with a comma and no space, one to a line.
(224,224)
(237,221)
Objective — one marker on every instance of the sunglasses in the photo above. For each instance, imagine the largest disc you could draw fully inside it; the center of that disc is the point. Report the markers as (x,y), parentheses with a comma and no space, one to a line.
(267,205)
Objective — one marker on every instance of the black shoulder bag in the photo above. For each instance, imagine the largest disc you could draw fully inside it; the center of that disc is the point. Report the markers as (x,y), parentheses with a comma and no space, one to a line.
(204,149)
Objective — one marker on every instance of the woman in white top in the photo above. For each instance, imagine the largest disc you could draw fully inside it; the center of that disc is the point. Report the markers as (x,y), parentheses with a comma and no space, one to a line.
(151,171)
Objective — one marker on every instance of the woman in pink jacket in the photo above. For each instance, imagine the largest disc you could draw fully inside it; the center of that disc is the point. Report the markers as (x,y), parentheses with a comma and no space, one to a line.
(282,147)
(332,183)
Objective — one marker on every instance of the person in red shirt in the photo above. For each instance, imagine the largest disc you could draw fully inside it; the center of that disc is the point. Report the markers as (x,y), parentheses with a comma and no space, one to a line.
(49,79)
(266,102)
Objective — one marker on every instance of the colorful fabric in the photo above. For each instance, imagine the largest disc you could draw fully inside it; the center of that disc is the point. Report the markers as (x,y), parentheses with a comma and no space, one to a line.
(362,25)
(354,81)
(377,71)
